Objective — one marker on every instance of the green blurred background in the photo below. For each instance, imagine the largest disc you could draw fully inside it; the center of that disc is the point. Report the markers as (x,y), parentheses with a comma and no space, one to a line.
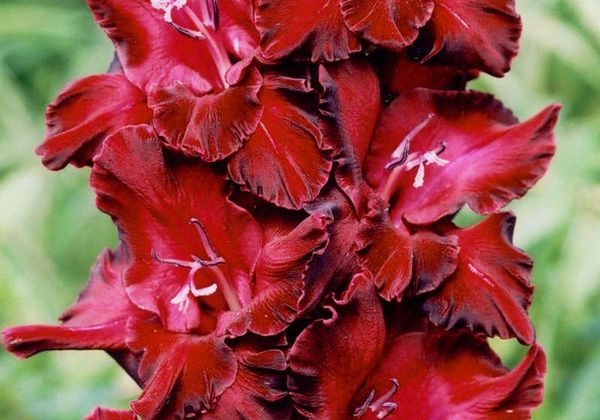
(50,231)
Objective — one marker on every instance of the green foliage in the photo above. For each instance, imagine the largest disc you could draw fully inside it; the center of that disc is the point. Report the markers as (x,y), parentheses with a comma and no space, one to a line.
(50,231)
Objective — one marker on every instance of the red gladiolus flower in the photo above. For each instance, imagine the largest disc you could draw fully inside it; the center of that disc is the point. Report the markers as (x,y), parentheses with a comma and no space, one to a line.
(284,176)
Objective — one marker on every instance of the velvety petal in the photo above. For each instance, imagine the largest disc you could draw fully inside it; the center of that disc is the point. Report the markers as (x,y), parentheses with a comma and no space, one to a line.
(236,27)
(400,73)
(108,414)
(211,127)
(490,291)
(350,105)
(183,373)
(155,202)
(85,113)
(259,390)
(279,279)
(286,27)
(96,321)
(401,261)
(282,162)
(386,252)
(475,34)
(150,50)
(487,157)
(331,358)
(451,376)
(392,24)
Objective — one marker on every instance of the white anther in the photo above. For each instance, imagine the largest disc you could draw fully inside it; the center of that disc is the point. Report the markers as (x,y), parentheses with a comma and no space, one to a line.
(167,6)
(203,291)
(426,159)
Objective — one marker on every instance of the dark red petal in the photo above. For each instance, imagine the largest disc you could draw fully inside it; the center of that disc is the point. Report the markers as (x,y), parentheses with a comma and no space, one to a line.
(209,126)
(150,50)
(386,252)
(259,388)
(401,74)
(492,159)
(282,162)
(490,290)
(476,34)
(26,341)
(287,26)
(104,299)
(392,24)
(85,113)
(350,105)
(435,257)
(153,199)
(279,277)
(331,358)
(454,376)
(108,414)
(96,321)
(396,258)
(182,373)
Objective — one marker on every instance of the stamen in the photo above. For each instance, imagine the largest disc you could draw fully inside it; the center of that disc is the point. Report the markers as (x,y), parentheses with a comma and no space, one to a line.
(167,7)
(382,406)
(427,158)
(196,264)
(400,154)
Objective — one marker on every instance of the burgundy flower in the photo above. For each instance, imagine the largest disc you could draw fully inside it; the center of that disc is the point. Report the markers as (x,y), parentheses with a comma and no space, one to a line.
(284,176)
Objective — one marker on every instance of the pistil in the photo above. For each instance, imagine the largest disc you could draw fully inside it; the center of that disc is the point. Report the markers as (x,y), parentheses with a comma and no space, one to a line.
(382,406)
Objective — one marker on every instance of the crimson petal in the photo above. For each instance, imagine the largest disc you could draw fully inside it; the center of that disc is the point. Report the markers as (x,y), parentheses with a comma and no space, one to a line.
(154,199)
(280,275)
(85,113)
(392,24)
(282,162)
(209,126)
(236,28)
(150,50)
(490,290)
(330,359)
(476,34)
(285,27)
(491,158)
(182,373)
(453,376)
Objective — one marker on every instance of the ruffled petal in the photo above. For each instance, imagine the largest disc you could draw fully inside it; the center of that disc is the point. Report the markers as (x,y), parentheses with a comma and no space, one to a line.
(183,373)
(259,390)
(85,113)
(279,279)
(458,148)
(154,200)
(442,376)
(475,34)
(286,28)
(391,24)
(282,162)
(211,127)
(150,50)
(331,358)
(490,291)
(401,261)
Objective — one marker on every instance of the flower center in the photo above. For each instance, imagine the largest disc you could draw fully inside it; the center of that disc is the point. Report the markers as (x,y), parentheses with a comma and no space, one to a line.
(182,298)
(382,406)
(204,27)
